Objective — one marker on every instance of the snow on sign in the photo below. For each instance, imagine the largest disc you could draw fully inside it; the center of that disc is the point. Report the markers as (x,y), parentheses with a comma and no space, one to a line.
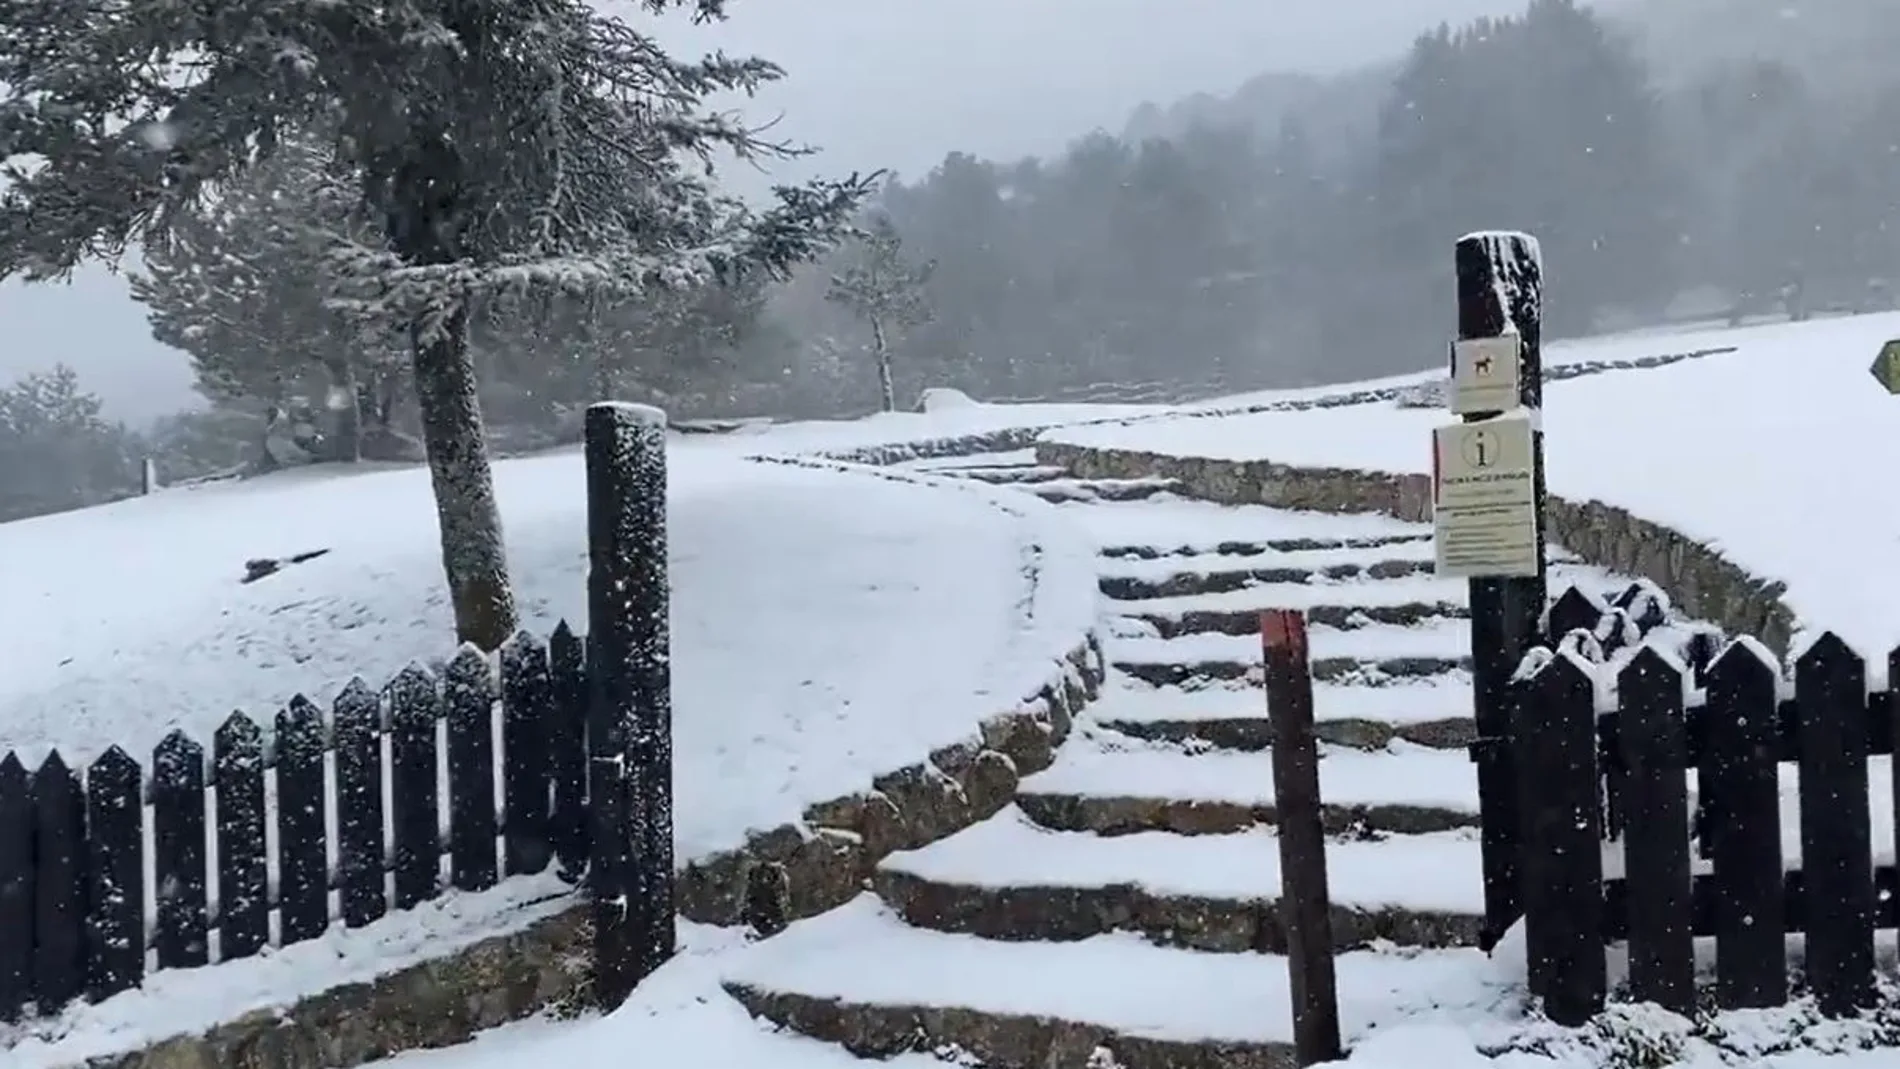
(1886,367)
(1484,514)
(1484,374)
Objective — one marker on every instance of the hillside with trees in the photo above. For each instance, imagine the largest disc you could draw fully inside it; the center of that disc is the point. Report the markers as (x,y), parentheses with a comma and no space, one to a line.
(1296,233)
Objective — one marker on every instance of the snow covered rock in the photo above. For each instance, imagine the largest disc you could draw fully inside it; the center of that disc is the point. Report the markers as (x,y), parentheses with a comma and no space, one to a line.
(944,398)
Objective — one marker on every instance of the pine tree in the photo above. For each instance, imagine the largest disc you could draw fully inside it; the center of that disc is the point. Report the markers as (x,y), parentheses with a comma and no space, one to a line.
(885,289)
(500,146)
(242,284)
(56,450)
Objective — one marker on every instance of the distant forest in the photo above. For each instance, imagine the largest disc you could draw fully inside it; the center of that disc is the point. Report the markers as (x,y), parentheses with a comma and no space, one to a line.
(1724,158)
(1709,156)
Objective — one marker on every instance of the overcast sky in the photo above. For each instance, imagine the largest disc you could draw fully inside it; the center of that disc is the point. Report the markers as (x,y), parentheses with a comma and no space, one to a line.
(874,83)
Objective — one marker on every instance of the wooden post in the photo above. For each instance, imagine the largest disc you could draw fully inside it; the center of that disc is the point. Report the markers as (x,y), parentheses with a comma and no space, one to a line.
(1563,851)
(148,476)
(1305,906)
(1500,292)
(630,759)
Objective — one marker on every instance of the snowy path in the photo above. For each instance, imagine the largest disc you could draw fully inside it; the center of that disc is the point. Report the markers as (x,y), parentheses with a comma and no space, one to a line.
(1127,900)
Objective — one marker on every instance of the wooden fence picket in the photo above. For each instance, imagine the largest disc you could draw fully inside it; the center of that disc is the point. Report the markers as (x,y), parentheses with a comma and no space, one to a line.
(415,809)
(115,899)
(567,750)
(16,888)
(357,733)
(1654,742)
(239,849)
(59,924)
(469,700)
(243,905)
(303,841)
(527,704)
(183,936)
(1739,780)
(1554,734)
(1836,857)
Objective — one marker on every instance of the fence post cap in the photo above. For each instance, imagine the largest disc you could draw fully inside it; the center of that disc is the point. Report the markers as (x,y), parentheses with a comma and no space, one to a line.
(627,414)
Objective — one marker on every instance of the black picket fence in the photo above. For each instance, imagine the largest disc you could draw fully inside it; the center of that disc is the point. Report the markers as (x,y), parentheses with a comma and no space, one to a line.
(550,754)
(1715,867)
(439,781)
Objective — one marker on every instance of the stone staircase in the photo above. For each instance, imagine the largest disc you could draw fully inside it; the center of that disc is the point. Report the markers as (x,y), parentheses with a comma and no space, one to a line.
(1124,907)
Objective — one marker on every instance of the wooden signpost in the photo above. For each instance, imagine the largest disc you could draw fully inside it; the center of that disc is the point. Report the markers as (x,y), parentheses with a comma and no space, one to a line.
(1488,518)
(1305,904)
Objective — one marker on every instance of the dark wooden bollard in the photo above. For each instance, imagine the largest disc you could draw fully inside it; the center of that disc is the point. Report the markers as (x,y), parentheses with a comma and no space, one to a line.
(630,712)
(1305,906)
(1501,292)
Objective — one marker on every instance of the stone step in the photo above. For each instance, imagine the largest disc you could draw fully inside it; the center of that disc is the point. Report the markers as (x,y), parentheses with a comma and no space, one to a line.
(1173,521)
(1113,786)
(1010,458)
(1432,711)
(1254,549)
(1102,490)
(1369,653)
(1132,578)
(1343,605)
(1009,476)
(859,977)
(1010,878)
(1284,569)
(1306,559)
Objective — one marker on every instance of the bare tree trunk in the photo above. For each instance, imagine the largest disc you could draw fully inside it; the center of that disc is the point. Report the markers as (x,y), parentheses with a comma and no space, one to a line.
(882,349)
(470,521)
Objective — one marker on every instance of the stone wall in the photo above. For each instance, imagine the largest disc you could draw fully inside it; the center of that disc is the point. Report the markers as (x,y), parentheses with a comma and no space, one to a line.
(829,857)
(1428,394)
(1703,583)
(540,968)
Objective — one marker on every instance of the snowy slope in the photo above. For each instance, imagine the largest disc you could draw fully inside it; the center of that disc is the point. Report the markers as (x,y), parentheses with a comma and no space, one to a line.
(1779,454)
(828,626)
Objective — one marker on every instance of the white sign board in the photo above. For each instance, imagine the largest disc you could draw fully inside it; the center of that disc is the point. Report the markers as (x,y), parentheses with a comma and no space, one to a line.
(1484,374)
(1484,500)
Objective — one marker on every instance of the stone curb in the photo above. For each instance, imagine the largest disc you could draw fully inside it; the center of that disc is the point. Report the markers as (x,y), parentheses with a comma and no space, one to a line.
(1218,925)
(995,1040)
(1255,734)
(1112,815)
(543,967)
(1703,584)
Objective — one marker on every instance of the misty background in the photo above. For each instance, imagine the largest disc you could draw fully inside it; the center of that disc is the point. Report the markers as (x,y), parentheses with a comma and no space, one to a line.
(871,84)
(1090,200)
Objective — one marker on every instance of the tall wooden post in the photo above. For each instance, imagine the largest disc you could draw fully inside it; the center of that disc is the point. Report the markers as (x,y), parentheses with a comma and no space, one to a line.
(1500,293)
(1305,904)
(629,720)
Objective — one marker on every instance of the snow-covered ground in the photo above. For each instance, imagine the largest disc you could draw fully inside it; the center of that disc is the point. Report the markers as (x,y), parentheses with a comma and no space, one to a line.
(802,592)
(828,626)
(1780,454)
